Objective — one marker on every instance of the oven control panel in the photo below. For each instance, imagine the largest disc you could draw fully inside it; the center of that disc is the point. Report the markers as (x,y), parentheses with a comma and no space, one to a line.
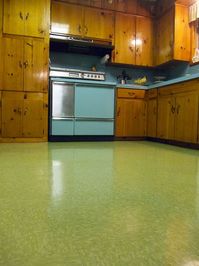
(76,74)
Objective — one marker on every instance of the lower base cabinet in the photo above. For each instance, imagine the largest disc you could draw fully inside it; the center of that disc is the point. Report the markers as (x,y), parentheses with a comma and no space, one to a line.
(131,113)
(24,115)
(178,117)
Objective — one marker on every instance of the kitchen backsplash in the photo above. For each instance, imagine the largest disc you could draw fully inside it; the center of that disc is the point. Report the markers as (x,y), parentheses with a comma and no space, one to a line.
(86,62)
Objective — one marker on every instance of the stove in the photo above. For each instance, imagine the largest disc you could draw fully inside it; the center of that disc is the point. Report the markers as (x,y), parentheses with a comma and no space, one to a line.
(76,74)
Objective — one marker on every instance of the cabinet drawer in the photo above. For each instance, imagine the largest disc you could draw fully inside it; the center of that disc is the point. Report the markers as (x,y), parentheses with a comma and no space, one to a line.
(129,93)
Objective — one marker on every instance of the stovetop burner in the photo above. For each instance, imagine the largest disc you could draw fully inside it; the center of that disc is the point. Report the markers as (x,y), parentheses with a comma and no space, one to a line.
(76,74)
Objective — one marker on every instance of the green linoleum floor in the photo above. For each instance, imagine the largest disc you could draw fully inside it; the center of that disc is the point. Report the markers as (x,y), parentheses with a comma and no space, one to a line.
(99,204)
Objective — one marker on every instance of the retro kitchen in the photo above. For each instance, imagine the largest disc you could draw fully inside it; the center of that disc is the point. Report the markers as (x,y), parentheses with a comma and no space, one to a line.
(99,69)
(99,132)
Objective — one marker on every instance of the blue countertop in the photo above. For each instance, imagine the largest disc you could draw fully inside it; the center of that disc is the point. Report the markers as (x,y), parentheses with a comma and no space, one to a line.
(159,84)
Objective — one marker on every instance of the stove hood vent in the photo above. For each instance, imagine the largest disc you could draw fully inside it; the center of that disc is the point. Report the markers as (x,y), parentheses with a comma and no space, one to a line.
(73,44)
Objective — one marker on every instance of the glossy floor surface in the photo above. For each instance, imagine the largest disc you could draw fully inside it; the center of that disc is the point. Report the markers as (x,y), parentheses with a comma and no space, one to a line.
(98,204)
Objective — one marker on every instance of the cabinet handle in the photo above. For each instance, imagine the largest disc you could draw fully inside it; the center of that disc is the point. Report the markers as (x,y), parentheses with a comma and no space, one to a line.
(178,109)
(19,110)
(29,44)
(25,111)
(118,112)
(85,30)
(27,16)
(25,64)
(80,28)
(131,93)
(20,15)
(20,64)
(172,109)
(154,110)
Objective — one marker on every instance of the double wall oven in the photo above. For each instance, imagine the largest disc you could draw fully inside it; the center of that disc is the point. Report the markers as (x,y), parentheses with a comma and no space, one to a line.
(81,104)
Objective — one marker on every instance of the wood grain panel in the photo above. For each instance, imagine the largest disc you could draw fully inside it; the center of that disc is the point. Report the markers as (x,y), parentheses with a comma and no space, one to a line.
(182,33)
(66,18)
(12,64)
(186,117)
(131,93)
(13,19)
(166,115)
(103,29)
(33,115)
(33,65)
(12,108)
(124,39)
(152,118)
(144,41)
(36,18)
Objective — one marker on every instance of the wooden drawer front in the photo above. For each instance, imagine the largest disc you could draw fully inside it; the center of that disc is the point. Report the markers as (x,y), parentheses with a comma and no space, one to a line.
(129,93)
(153,93)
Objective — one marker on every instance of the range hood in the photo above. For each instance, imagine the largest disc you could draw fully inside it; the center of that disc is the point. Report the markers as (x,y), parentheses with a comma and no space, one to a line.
(74,44)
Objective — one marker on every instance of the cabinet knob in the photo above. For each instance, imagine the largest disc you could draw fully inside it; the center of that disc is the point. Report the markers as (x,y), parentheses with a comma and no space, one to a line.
(85,30)
(20,15)
(27,16)
(80,28)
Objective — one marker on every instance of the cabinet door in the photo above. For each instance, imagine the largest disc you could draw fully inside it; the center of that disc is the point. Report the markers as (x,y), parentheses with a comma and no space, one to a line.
(152,118)
(12,107)
(98,24)
(186,117)
(182,33)
(131,118)
(165,37)
(33,65)
(124,39)
(120,118)
(36,18)
(138,124)
(33,114)
(13,18)
(12,64)
(166,115)
(144,41)
(66,18)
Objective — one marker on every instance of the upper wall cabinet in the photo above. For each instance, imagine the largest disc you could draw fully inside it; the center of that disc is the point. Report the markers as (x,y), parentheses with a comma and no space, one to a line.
(133,40)
(173,38)
(144,41)
(124,39)
(28,18)
(82,21)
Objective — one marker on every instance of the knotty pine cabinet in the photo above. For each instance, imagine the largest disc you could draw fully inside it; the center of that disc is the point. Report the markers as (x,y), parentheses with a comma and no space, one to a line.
(24,64)
(178,116)
(172,35)
(24,115)
(27,18)
(133,40)
(82,21)
(152,113)
(131,113)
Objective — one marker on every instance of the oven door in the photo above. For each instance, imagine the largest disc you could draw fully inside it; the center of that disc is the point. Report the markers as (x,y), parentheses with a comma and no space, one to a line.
(62,108)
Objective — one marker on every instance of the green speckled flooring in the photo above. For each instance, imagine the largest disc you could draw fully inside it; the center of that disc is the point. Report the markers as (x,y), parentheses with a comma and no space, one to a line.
(99,204)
